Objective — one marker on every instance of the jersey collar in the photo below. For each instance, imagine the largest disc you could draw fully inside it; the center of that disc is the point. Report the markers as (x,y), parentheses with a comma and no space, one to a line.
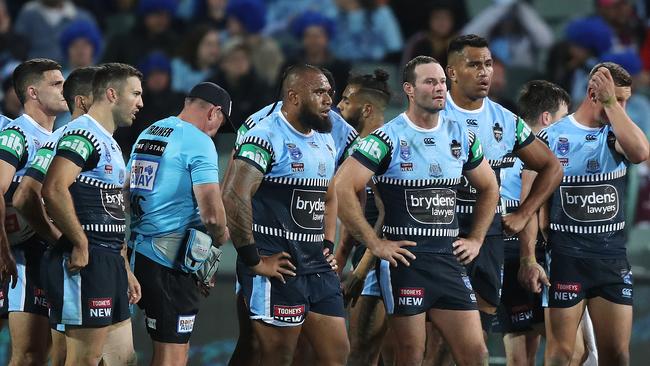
(580,125)
(473,111)
(99,125)
(39,127)
(418,128)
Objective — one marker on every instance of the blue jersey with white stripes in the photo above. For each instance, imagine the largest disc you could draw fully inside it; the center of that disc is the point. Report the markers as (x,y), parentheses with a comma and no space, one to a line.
(587,213)
(97,190)
(417,172)
(19,141)
(289,205)
(344,135)
(502,134)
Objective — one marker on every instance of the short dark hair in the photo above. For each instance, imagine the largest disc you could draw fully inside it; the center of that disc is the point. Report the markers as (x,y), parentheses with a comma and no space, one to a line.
(619,74)
(79,82)
(373,85)
(30,72)
(539,96)
(459,43)
(297,70)
(408,75)
(113,75)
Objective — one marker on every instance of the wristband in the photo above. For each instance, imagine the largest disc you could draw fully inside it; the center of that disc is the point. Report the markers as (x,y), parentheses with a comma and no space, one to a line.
(329,245)
(609,102)
(530,260)
(249,255)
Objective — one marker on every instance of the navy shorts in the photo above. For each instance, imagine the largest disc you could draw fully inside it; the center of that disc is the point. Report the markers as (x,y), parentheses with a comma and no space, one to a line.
(28,296)
(574,279)
(170,300)
(96,296)
(486,270)
(520,309)
(287,304)
(431,281)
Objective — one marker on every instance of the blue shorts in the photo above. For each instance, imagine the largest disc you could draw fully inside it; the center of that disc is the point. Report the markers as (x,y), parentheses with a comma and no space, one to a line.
(432,281)
(287,304)
(486,270)
(520,309)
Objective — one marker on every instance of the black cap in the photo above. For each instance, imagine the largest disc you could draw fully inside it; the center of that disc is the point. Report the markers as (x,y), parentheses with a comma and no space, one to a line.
(214,94)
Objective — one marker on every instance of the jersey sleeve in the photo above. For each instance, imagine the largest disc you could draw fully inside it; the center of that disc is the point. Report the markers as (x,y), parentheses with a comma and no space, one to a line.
(41,163)
(374,151)
(13,147)
(543,136)
(256,149)
(524,136)
(475,152)
(248,124)
(351,142)
(80,147)
(202,159)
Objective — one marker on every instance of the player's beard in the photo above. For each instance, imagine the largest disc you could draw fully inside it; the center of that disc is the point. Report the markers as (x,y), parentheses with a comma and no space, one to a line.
(355,119)
(314,120)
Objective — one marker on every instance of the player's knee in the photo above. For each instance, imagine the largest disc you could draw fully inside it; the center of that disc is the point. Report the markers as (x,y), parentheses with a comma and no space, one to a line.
(559,355)
(473,356)
(29,358)
(410,353)
(615,356)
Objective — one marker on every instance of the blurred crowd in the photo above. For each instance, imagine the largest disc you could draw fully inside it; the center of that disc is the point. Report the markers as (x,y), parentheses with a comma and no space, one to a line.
(243,45)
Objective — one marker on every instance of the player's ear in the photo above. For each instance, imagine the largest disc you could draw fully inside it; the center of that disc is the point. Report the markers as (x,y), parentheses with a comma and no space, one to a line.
(408,88)
(451,73)
(366,111)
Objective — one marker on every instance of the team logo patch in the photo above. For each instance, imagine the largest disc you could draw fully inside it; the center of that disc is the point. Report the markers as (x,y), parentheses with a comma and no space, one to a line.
(108,153)
(435,170)
(121,177)
(562,146)
(455,149)
(497,130)
(289,314)
(406,167)
(100,307)
(143,174)
(297,167)
(627,276)
(294,151)
(37,144)
(151,322)
(322,169)
(593,166)
(185,324)
(404,150)
(467,282)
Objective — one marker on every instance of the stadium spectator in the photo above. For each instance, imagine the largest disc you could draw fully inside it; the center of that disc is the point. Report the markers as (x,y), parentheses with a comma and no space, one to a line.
(198,57)
(13,47)
(43,21)
(81,45)
(211,12)
(413,22)
(11,106)
(435,39)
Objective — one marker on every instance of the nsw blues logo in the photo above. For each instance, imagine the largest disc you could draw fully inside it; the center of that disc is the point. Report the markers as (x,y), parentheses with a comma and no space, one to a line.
(455,149)
(404,150)
(435,170)
(322,169)
(562,146)
(593,166)
(497,130)
(294,151)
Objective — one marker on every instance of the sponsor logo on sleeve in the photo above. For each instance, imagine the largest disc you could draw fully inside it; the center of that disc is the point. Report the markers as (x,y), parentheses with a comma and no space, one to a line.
(431,205)
(308,208)
(255,153)
(590,203)
(373,148)
(185,323)
(77,144)
(42,160)
(143,174)
(411,296)
(13,142)
(289,314)
(100,307)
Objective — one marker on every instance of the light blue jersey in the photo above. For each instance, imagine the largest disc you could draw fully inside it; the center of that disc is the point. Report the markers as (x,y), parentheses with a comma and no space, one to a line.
(344,135)
(417,173)
(44,156)
(4,120)
(289,205)
(19,141)
(97,191)
(502,134)
(587,213)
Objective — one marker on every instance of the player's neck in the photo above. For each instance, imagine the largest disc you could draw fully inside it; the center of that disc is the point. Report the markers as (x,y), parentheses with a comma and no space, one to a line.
(371,124)
(421,118)
(103,115)
(465,102)
(292,117)
(586,115)
(44,120)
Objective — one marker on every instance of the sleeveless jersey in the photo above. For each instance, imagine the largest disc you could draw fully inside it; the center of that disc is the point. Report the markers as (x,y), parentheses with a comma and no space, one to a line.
(289,206)
(587,213)
(501,133)
(167,160)
(19,142)
(417,173)
(344,135)
(97,191)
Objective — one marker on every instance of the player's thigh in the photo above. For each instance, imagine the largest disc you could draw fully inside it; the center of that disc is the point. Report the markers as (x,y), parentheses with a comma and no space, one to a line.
(276,339)
(561,328)
(367,323)
(84,344)
(29,333)
(462,331)
(328,336)
(57,353)
(612,324)
(118,348)
(409,332)
(521,347)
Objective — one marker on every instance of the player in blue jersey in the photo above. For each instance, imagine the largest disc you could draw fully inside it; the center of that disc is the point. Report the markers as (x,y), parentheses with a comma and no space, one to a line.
(180,150)
(277,204)
(4,120)
(87,280)
(521,316)
(586,220)
(38,84)
(77,91)
(417,161)
(504,137)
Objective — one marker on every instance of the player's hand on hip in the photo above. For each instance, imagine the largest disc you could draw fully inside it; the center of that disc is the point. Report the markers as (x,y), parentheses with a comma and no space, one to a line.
(78,259)
(331,260)
(277,266)
(466,249)
(532,276)
(393,251)
(352,288)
